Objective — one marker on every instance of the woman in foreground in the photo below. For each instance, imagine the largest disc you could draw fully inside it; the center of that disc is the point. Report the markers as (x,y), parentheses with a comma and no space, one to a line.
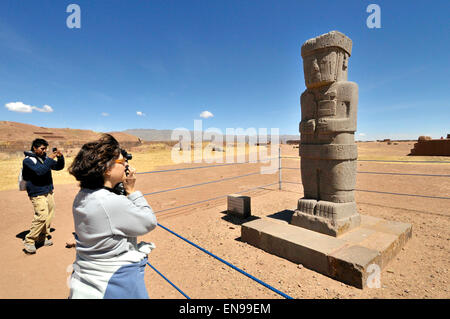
(109,262)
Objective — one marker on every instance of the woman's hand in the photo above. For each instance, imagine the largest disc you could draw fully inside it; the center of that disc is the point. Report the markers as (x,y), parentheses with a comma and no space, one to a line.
(130,180)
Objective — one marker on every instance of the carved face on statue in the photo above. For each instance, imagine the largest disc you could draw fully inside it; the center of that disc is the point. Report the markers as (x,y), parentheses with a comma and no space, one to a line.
(324,67)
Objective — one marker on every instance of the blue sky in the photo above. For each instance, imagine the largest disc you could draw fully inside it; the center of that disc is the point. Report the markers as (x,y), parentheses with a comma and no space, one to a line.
(238,60)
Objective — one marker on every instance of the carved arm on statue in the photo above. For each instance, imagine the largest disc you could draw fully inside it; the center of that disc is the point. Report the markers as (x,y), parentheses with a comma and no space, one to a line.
(307,126)
(336,125)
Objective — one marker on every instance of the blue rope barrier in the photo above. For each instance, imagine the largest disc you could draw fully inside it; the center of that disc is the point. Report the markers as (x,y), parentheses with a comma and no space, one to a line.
(292,183)
(214,198)
(384,161)
(250,189)
(198,167)
(385,173)
(400,194)
(210,182)
(446,162)
(227,263)
(179,290)
(423,196)
(408,174)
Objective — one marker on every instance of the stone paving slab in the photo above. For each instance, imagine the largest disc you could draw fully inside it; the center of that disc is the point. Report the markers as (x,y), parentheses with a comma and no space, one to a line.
(350,265)
(345,258)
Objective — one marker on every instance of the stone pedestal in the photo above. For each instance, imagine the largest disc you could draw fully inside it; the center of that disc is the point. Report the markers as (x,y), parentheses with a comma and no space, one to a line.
(333,219)
(352,258)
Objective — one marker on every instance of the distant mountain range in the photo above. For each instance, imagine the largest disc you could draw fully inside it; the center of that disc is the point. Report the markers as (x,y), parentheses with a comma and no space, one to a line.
(152,135)
(15,136)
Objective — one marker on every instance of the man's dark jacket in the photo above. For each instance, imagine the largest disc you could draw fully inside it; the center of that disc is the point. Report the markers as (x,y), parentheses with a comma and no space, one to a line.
(37,171)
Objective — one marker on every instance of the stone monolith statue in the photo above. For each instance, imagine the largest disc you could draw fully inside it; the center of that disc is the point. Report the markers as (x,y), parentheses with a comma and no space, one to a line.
(327,146)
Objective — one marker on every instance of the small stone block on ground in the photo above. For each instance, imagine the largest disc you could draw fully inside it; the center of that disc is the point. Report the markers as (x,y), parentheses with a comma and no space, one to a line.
(238,205)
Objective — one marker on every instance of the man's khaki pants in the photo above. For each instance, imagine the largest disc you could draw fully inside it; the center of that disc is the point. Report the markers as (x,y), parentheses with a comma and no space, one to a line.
(44,211)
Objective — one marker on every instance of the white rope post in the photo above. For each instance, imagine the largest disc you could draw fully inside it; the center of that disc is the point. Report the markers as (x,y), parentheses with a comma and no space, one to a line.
(279,168)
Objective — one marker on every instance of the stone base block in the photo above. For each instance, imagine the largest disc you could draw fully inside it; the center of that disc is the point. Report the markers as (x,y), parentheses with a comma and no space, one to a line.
(333,219)
(239,205)
(351,258)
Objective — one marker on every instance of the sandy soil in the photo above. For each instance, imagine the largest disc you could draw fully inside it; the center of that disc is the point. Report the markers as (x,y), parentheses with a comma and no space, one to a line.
(420,270)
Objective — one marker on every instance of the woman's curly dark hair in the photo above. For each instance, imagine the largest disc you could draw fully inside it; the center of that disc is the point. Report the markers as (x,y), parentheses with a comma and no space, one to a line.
(92,161)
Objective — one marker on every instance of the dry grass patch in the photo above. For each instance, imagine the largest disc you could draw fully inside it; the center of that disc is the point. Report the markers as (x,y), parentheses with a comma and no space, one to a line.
(397,151)
(145,158)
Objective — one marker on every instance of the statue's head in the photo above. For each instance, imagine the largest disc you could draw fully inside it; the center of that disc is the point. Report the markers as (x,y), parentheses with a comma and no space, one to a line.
(325,59)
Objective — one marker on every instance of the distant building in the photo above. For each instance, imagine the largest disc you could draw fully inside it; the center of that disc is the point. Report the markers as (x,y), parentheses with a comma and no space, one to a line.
(426,146)
(293,142)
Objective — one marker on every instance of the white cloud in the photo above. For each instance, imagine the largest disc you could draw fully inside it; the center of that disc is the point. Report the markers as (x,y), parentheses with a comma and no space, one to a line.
(46,109)
(105,114)
(206,114)
(19,107)
(25,108)
(362,134)
(140,113)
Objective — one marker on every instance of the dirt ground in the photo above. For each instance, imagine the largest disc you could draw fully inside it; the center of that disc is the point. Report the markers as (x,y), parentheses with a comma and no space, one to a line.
(420,270)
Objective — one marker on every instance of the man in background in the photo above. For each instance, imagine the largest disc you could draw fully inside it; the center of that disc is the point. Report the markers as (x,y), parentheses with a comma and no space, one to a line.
(37,171)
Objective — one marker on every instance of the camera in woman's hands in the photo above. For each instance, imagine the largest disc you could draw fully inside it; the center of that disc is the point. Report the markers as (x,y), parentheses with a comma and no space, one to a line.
(127,157)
